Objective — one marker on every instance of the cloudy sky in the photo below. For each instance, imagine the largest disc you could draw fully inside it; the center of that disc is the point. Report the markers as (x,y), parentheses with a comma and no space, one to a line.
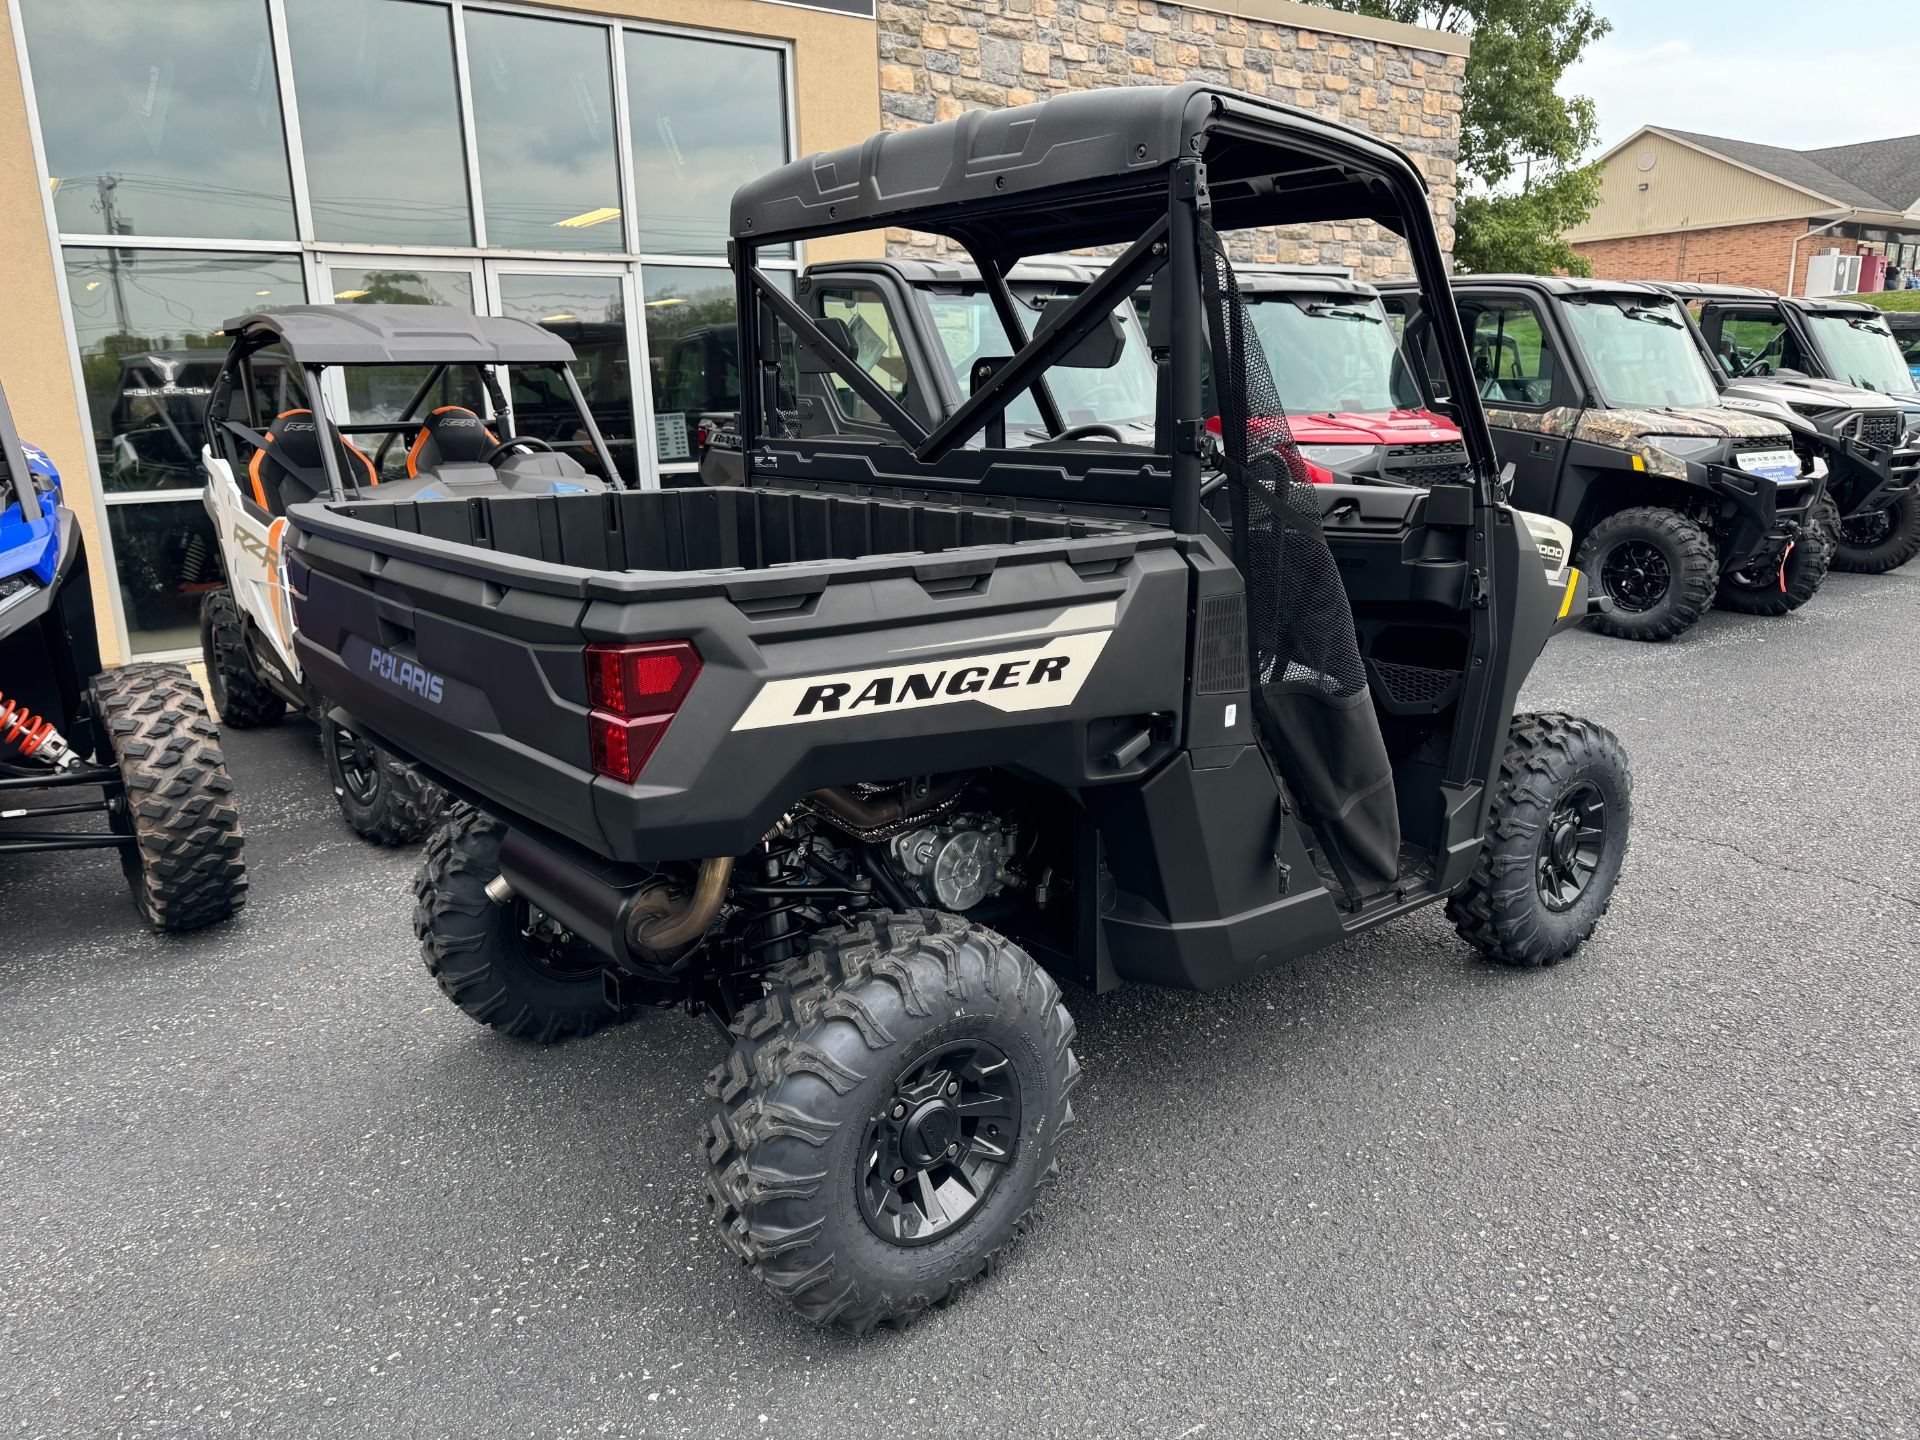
(1776,71)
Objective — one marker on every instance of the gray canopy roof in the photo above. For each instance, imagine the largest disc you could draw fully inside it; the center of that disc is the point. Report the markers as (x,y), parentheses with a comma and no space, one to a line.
(403,335)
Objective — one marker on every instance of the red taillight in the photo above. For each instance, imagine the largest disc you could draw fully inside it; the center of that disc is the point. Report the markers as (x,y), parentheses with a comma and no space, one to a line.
(635,690)
(635,680)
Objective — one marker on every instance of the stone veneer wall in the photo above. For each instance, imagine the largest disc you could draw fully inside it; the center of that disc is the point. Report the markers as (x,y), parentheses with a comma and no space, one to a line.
(940,57)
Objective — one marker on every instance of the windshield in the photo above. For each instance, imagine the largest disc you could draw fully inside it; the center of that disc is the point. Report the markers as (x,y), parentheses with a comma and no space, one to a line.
(1861,350)
(1332,355)
(1123,394)
(1640,351)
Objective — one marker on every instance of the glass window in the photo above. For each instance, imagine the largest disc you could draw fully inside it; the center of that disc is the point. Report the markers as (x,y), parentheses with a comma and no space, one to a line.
(969,329)
(1513,361)
(377,394)
(1861,351)
(167,559)
(543,117)
(380,121)
(1640,351)
(1333,354)
(696,141)
(161,119)
(589,312)
(876,349)
(148,323)
(692,348)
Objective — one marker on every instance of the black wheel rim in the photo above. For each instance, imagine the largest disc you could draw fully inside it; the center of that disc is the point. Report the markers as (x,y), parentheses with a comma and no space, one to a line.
(1636,575)
(1571,846)
(1868,529)
(932,1157)
(550,948)
(359,765)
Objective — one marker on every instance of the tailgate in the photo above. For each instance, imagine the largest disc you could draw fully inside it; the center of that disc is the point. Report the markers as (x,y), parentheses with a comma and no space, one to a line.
(472,664)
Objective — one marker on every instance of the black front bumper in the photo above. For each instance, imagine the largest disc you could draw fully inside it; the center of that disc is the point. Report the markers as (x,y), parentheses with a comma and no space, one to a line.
(1757,516)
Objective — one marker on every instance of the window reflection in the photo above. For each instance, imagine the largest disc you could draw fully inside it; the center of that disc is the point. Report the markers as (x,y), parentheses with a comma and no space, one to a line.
(693,351)
(543,118)
(590,314)
(364,73)
(167,560)
(695,142)
(148,322)
(380,393)
(161,119)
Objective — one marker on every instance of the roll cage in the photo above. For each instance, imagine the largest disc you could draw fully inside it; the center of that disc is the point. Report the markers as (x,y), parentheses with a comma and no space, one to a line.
(1142,168)
(316,338)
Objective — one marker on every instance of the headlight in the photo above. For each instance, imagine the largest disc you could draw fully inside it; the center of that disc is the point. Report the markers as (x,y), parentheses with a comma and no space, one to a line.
(1685,447)
(1342,459)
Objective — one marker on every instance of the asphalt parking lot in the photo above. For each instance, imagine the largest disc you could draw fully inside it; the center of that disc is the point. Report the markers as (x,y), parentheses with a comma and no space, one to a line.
(263,1180)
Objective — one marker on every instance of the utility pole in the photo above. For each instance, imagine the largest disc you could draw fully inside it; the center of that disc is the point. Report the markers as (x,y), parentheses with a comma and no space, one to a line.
(110,223)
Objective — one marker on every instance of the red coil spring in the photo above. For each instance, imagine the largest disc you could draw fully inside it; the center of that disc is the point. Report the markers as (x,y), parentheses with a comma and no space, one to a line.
(21,727)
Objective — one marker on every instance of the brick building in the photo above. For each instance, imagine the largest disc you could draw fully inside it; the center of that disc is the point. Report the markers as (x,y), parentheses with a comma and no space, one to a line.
(1402,82)
(1676,205)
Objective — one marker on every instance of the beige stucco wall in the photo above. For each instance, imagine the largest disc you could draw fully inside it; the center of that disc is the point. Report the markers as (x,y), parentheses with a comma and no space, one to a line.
(34,361)
(1686,189)
(836,102)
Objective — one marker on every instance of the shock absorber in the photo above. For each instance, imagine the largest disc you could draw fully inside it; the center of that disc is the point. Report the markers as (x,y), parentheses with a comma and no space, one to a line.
(33,737)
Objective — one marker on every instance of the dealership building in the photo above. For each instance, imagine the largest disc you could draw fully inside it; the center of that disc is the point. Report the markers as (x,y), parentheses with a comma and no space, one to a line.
(166,167)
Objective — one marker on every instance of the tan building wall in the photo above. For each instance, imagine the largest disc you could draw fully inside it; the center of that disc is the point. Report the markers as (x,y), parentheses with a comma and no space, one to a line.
(1401,82)
(836,102)
(1686,189)
(1725,255)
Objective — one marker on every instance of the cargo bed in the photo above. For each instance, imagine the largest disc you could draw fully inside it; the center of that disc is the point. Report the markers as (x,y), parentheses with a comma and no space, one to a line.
(456,633)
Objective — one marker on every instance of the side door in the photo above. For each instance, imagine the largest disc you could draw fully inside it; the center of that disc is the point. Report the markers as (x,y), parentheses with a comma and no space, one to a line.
(1531,398)
(878,318)
(1751,339)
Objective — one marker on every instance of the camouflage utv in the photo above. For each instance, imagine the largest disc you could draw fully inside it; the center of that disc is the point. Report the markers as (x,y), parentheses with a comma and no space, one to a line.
(1608,417)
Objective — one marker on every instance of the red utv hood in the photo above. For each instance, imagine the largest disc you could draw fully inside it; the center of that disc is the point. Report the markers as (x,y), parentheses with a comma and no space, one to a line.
(1396,427)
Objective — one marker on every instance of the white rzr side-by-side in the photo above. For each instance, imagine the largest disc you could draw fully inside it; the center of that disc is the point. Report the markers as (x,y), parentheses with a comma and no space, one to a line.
(418,388)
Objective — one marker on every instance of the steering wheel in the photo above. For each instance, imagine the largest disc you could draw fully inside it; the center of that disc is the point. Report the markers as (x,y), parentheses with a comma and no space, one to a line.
(1097,428)
(509,443)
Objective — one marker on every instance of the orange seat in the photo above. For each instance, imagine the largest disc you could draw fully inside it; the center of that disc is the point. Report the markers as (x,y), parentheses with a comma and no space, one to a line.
(290,462)
(451,433)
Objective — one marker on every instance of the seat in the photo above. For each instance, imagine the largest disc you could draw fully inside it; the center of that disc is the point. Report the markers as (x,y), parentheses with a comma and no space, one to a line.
(451,433)
(287,470)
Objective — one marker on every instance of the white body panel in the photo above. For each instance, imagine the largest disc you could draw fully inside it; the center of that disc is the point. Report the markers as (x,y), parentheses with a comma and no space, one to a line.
(252,548)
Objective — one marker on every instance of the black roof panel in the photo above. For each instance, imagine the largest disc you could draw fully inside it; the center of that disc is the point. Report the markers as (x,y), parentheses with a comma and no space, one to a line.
(1079,169)
(403,335)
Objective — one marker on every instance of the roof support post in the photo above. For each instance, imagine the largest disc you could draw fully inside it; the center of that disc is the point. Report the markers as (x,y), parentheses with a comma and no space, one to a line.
(1186,206)
(994,278)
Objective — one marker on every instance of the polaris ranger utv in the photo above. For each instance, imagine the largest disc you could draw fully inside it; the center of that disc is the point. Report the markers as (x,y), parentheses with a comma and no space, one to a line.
(138,737)
(860,756)
(271,441)
(1604,405)
(1835,363)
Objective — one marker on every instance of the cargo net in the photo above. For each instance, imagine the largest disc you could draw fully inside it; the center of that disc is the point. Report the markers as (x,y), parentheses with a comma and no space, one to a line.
(1301,632)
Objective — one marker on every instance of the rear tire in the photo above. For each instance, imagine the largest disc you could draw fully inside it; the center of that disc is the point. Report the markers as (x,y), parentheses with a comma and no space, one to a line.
(1658,567)
(1760,589)
(1880,540)
(838,1083)
(385,800)
(243,699)
(1542,881)
(186,868)
(505,965)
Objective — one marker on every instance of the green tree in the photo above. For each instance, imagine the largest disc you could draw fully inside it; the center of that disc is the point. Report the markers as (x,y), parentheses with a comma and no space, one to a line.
(1521,141)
